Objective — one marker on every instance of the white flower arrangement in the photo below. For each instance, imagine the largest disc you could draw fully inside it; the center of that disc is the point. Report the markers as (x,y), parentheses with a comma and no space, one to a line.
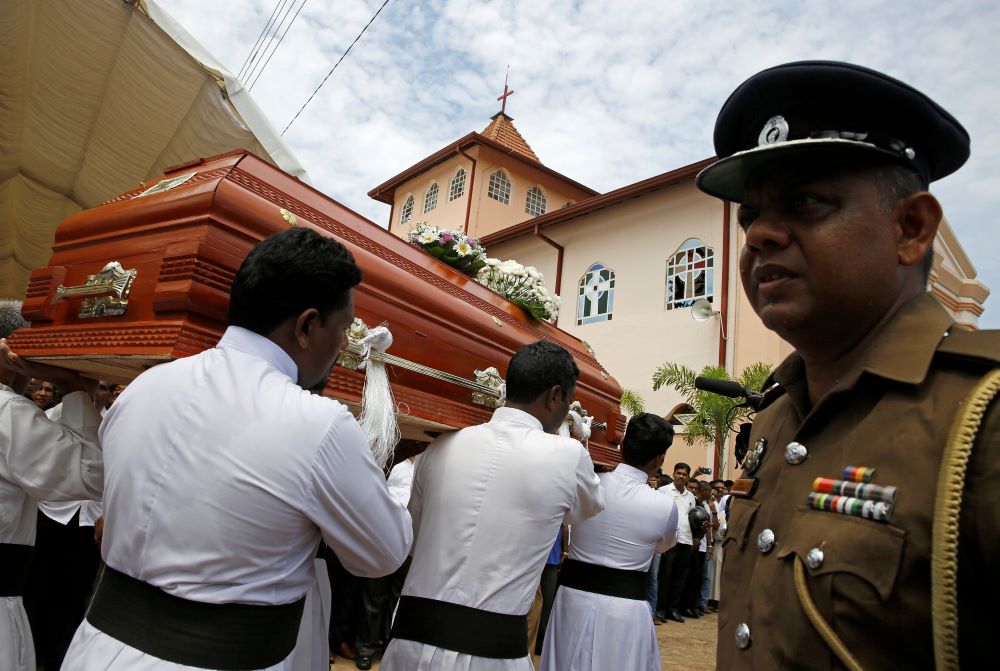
(522,285)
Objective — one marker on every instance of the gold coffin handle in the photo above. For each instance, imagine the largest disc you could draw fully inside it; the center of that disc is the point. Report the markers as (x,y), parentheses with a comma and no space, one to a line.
(105,293)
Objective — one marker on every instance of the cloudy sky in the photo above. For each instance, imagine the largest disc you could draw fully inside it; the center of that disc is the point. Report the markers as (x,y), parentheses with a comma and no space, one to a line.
(608,92)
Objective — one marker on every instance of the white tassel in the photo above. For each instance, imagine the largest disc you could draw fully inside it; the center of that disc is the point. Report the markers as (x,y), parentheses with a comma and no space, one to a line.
(378,408)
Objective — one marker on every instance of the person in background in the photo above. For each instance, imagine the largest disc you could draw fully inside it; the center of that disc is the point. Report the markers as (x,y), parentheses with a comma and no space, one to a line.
(39,459)
(676,561)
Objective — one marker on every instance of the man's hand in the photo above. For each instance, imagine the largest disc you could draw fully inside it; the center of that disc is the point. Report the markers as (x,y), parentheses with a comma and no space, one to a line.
(709,551)
(99,531)
(67,380)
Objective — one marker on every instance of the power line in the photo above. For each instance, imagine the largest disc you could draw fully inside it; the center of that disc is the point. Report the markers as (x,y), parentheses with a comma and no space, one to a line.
(264,67)
(256,45)
(342,56)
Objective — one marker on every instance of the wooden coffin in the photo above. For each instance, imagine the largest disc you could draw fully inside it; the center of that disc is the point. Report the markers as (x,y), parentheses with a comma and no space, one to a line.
(144,278)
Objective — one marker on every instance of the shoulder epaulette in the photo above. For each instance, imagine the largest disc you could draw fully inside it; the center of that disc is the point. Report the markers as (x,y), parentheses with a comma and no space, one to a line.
(983,346)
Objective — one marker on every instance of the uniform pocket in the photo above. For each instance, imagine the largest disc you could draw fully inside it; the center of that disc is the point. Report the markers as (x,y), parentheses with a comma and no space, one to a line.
(868,550)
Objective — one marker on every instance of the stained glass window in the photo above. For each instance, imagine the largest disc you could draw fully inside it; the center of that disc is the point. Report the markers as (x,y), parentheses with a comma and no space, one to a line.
(596,299)
(690,274)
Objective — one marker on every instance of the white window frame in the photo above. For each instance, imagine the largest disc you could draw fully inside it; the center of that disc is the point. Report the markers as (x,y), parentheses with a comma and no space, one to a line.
(595,285)
(535,202)
(456,189)
(690,273)
(406,211)
(500,187)
(431,197)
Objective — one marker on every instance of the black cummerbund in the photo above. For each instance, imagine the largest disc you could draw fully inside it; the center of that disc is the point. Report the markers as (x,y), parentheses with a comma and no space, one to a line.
(16,562)
(464,629)
(603,580)
(229,636)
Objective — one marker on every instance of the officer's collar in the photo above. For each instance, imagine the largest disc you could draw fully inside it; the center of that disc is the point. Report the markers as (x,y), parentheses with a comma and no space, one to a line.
(901,351)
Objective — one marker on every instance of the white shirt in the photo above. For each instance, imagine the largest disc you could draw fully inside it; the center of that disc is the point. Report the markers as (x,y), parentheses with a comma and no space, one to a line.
(63,511)
(486,503)
(223,473)
(400,481)
(40,459)
(45,459)
(597,632)
(637,522)
(685,502)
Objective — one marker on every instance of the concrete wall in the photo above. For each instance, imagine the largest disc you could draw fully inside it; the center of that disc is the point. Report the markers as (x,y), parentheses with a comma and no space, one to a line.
(487,215)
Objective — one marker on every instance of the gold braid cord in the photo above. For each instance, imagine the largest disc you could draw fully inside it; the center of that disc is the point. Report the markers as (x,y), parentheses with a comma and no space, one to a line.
(947,506)
(822,627)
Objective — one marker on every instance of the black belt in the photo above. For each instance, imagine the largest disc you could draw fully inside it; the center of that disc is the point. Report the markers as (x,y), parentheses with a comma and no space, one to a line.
(226,636)
(464,629)
(603,580)
(16,562)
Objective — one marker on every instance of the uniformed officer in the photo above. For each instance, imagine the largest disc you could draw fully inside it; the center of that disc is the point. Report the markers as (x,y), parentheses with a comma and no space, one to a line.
(852,483)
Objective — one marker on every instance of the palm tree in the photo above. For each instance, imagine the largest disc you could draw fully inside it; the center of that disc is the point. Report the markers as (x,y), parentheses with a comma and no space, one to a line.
(632,403)
(714,416)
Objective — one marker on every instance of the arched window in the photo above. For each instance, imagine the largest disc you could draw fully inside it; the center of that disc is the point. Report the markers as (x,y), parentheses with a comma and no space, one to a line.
(690,274)
(457,186)
(596,300)
(431,198)
(499,188)
(535,204)
(406,212)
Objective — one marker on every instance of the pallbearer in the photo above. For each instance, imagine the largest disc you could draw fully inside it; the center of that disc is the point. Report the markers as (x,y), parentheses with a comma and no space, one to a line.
(486,503)
(600,619)
(223,472)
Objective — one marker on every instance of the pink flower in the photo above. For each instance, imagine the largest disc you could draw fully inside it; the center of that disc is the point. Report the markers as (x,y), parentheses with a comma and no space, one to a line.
(446,236)
(473,243)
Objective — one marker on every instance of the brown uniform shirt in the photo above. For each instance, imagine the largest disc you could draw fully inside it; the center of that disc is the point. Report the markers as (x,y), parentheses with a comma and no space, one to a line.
(892,412)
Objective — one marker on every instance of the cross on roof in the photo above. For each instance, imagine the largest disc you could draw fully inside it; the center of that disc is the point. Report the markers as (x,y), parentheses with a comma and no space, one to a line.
(506,93)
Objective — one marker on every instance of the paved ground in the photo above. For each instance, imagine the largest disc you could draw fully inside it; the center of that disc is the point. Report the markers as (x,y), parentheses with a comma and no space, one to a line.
(689,646)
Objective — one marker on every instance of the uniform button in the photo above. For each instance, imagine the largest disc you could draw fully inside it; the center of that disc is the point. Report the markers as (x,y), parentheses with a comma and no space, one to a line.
(814,558)
(742,636)
(765,541)
(796,453)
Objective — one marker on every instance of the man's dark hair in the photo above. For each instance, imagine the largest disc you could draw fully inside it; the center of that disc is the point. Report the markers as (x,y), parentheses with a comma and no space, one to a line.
(682,465)
(288,273)
(713,483)
(729,484)
(11,318)
(894,183)
(702,485)
(647,436)
(536,368)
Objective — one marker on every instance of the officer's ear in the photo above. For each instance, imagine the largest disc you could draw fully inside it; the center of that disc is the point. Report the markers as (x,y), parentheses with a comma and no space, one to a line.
(916,219)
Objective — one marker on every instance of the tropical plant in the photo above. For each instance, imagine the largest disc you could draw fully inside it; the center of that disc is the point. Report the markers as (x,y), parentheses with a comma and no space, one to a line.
(632,403)
(714,416)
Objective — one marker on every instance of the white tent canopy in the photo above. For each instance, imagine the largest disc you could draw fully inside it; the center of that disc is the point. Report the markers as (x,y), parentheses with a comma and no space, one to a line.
(95,97)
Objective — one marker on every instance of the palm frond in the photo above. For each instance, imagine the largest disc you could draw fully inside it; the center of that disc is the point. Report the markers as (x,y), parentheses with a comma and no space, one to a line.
(632,403)
(677,376)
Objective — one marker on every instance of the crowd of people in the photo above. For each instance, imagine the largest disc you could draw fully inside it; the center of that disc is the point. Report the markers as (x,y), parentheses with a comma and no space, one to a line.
(222,473)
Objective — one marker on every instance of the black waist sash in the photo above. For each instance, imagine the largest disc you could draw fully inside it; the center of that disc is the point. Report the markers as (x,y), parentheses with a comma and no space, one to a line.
(16,563)
(603,580)
(464,629)
(227,636)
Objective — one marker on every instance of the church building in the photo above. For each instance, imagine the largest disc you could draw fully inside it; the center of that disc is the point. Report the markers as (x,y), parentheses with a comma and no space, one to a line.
(629,264)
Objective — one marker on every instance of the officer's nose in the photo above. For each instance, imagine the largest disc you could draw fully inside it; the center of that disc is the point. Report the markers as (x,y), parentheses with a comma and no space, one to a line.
(768,230)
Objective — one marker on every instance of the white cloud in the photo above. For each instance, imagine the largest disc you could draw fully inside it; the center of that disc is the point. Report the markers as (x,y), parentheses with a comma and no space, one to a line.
(608,92)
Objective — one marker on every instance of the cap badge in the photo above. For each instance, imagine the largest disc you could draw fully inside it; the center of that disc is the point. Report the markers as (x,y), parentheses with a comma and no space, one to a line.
(774,131)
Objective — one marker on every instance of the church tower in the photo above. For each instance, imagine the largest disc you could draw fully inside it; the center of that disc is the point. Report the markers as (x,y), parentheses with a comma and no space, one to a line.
(482,183)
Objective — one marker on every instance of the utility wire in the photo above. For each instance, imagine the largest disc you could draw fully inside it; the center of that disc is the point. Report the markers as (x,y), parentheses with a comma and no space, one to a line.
(342,56)
(287,28)
(256,45)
